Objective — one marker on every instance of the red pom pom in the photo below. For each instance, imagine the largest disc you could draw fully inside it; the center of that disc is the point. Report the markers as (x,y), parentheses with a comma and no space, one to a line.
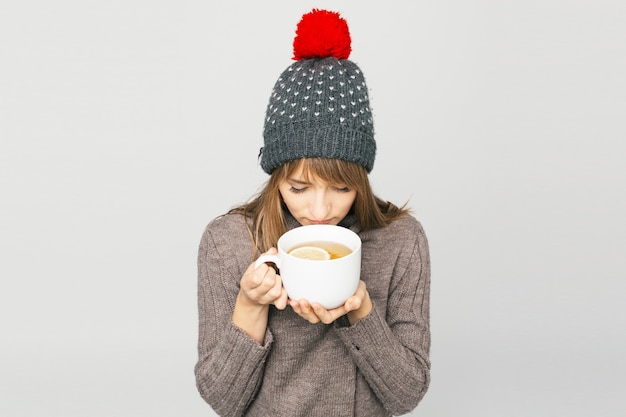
(322,34)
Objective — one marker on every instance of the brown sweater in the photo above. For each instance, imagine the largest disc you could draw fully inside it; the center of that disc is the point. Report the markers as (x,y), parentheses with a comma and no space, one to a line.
(377,367)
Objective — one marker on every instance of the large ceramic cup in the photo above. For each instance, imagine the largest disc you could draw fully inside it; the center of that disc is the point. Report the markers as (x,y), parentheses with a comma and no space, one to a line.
(330,280)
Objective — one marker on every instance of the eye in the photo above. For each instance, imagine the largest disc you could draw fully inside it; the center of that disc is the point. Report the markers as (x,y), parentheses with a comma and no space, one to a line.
(296,190)
(342,189)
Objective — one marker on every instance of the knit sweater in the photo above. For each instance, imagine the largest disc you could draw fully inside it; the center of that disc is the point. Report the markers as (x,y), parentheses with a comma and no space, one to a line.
(378,366)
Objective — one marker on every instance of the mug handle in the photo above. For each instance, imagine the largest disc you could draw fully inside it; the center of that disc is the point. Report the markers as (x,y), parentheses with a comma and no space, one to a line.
(267,258)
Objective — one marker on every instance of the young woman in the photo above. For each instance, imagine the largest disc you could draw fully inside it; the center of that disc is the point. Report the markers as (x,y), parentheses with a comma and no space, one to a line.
(263,354)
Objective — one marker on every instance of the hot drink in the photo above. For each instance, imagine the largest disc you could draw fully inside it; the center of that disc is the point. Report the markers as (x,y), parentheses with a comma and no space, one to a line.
(320,250)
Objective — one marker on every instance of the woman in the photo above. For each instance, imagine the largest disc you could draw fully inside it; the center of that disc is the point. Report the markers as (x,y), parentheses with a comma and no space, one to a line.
(263,354)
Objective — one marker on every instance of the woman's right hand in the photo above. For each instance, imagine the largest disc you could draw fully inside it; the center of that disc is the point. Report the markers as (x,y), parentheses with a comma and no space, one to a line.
(258,288)
(263,286)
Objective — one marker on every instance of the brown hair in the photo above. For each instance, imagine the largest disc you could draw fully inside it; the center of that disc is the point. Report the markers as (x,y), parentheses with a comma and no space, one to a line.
(267,209)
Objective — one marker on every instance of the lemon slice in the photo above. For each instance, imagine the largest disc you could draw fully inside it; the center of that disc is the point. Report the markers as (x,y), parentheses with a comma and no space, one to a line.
(310,252)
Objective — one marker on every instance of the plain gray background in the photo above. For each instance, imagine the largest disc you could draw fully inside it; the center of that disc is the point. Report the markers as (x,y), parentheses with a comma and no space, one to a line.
(126,126)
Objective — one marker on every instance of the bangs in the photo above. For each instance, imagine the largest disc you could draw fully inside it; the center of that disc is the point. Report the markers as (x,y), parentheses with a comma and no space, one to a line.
(333,171)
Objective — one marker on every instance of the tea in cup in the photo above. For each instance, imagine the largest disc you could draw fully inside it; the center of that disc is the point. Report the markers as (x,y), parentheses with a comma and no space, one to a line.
(319,263)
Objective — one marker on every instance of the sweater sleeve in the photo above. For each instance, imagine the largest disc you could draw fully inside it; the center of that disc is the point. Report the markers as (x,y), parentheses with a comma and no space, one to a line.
(230,363)
(391,348)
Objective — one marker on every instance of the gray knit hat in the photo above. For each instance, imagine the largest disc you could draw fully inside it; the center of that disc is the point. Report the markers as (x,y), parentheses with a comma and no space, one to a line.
(319,106)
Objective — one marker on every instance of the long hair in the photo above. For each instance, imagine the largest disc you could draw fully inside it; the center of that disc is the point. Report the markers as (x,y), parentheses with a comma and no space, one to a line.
(267,210)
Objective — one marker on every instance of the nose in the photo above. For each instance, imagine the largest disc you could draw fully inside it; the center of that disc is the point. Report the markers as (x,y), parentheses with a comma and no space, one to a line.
(320,206)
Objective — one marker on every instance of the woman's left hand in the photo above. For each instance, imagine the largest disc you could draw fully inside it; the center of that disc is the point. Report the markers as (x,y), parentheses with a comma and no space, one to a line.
(356,307)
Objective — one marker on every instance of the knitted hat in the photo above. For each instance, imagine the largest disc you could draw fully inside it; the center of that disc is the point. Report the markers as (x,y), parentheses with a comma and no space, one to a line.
(319,107)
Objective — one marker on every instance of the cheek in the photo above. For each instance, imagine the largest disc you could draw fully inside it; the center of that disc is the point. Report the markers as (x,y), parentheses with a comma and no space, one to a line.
(293,204)
(346,202)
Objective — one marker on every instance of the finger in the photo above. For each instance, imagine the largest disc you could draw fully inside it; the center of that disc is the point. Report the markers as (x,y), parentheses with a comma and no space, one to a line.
(321,313)
(360,290)
(258,273)
(352,303)
(328,316)
(275,287)
(253,277)
(266,279)
(281,301)
(355,301)
(258,291)
(295,306)
(305,307)
(304,310)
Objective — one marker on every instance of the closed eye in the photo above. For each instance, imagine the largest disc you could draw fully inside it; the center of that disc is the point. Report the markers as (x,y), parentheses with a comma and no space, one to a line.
(297,190)
(343,189)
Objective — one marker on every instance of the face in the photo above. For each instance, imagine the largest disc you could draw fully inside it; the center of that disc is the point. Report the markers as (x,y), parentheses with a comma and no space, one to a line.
(316,201)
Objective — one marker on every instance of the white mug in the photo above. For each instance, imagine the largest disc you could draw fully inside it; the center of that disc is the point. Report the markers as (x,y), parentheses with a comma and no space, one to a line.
(328,282)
